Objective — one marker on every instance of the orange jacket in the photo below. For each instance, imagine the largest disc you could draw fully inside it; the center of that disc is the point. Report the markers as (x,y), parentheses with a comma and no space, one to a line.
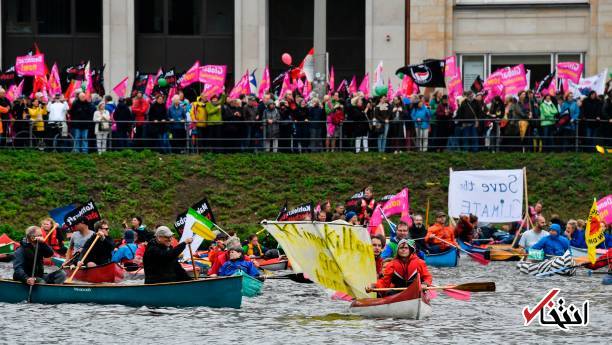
(444,232)
(405,269)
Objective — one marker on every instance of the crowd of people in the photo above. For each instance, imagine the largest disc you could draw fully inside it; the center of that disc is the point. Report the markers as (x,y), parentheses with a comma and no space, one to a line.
(337,121)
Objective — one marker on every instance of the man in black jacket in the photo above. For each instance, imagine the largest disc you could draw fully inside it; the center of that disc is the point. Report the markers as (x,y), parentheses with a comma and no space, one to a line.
(418,231)
(81,115)
(102,251)
(160,259)
(468,114)
(24,260)
(124,119)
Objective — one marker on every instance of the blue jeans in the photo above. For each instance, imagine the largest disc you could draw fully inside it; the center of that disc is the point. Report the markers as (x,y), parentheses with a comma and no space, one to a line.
(382,139)
(547,135)
(80,140)
(469,138)
(453,140)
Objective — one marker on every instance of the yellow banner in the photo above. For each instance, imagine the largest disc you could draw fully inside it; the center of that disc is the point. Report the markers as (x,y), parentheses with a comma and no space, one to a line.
(337,256)
(594,232)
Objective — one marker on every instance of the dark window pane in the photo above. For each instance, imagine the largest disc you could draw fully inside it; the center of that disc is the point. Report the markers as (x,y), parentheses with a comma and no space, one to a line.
(219,17)
(53,16)
(150,16)
(17,16)
(89,16)
(184,17)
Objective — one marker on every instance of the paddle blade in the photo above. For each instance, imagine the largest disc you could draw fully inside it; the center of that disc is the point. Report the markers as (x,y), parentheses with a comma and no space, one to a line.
(458,294)
(476,287)
(431,294)
(479,258)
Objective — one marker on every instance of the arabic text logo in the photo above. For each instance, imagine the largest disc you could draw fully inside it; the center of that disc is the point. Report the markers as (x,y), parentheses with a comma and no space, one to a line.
(557,313)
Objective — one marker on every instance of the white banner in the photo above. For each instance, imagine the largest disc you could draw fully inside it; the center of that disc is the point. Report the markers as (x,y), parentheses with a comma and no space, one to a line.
(495,196)
(595,83)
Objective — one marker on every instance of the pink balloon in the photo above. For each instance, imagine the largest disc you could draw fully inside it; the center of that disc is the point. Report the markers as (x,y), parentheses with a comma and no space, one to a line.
(287,59)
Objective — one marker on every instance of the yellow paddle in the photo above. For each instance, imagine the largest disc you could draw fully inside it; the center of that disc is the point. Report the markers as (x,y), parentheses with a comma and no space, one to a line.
(69,280)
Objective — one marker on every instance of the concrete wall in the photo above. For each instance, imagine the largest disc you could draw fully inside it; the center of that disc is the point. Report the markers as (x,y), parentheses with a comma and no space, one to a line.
(600,45)
(251,36)
(429,29)
(118,42)
(385,18)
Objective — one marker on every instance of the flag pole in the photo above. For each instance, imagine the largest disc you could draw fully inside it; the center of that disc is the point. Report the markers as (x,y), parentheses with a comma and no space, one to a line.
(195,272)
(218,227)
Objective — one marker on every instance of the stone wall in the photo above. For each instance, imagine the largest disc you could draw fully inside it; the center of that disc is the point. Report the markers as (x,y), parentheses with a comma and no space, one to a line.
(384,18)
(118,42)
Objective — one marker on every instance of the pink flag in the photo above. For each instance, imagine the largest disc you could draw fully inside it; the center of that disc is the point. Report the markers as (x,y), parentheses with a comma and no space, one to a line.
(30,65)
(450,67)
(265,83)
(365,85)
(570,71)
(493,86)
(353,85)
(307,89)
(398,204)
(389,88)
(192,75)
(342,85)
(213,78)
(300,86)
(121,88)
(88,79)
(286,87)
(455,89)
(171,94)
(242,87)
(332,80)
(604,206)
(10,93)
(514,79)
(19,90)
(54,85)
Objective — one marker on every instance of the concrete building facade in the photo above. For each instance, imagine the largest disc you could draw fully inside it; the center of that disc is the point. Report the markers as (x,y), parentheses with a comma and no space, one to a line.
(484,34)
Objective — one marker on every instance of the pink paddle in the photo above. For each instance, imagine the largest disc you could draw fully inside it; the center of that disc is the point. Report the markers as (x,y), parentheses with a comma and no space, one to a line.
(458,294)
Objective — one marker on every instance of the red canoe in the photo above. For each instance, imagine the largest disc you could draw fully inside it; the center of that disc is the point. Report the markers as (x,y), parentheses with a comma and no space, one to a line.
(276,264)
(108,273)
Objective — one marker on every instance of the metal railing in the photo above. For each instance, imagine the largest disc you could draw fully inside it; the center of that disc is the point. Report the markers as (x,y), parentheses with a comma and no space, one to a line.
(304,136)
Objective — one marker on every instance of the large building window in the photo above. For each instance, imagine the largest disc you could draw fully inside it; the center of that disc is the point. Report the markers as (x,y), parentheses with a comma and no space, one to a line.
(66,31)
(176,33)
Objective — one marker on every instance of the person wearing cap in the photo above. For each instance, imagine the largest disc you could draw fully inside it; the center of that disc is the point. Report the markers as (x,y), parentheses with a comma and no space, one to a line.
(160,259)
(126,252)
(25,269)
(401,271)
(237,262)
(223,256)
(102,251)
(81,234)
(351,218)
(554,243)
(440,237)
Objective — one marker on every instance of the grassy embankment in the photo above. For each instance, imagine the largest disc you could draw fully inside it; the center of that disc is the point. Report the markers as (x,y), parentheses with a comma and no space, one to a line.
(246,188)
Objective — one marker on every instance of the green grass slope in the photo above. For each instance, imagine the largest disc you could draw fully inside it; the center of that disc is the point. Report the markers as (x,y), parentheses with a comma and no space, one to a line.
(243,189)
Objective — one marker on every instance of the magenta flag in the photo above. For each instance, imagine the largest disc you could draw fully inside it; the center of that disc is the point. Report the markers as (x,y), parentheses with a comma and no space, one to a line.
(300,86)
(365,85)
(514,79)
(53,84)
(332,80)
(171,94)
(10,93)
(121,88)
(604,207)
(389,88)
(307,89)
(570,71)
(30,65)
(242,87)
(493,86)
(213,78)
(353,85)
(264,86)
(19,90)
(450,67)
(286,87)
(192,75)
(398,204)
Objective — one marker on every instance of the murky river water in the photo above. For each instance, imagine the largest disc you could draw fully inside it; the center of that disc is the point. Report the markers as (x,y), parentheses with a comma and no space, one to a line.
(291,313)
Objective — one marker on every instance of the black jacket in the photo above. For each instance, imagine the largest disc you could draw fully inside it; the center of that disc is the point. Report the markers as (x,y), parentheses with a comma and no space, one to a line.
(359,122)
(157,112)
(124,117)
(101,253)
(24,261)
(419,232)
(469,110)
(81,111)
(160,263)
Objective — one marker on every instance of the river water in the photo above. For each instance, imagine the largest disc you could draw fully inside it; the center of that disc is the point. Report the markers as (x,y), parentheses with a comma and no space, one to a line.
(292,313)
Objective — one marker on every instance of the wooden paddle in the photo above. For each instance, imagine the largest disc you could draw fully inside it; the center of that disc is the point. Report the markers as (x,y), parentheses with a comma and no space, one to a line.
(471,287)
(69,280)
(476,256)
(195,272)
(33,272)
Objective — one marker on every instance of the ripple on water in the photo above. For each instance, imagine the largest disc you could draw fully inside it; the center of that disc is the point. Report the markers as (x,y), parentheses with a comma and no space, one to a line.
(291,313)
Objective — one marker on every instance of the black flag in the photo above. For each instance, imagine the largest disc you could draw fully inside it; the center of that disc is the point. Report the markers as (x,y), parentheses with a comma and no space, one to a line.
(430,73)
(477,85)
(201,207)
(301,212)
(87,212)
(545,83)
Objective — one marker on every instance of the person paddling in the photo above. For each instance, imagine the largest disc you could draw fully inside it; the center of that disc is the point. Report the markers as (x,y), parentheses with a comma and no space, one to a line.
(531,237)
(222,257)
(402,270)
(126,252)
(81,234)
(24,268)
(252,248)
(237,262)
(418,232)
(438,232)
(553,244)
(102,251)
(160,259)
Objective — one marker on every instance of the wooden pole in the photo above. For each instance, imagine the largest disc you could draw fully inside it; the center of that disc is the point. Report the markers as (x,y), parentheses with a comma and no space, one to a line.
(33,272)
(195,273)
(69,280)
(427,215)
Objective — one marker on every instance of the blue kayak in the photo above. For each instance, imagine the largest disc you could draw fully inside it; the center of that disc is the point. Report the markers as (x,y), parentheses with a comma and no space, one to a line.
(486,252)
(222,292)
(449,258)
(607,279)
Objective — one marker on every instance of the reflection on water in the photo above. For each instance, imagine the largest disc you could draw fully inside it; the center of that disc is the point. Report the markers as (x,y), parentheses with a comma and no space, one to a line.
(291,313)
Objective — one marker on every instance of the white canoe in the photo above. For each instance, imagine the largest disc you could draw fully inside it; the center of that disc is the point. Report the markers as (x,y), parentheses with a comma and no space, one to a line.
(577,252)
(411,303)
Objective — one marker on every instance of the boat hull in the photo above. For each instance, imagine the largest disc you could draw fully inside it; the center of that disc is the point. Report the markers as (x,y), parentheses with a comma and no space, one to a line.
(475,249)
(504,252)
(408,304)
(222,292)
(108,273)
(448,258)
(272,264)
(251,287)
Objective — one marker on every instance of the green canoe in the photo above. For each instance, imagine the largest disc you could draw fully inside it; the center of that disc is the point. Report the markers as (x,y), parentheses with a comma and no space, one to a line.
(251,286)
(8,248)
(221,292)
